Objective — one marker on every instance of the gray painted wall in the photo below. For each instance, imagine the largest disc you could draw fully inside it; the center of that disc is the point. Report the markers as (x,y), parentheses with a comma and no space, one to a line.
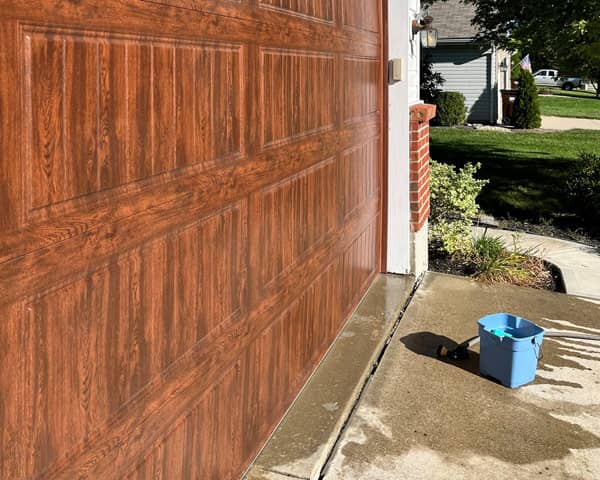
(468,70)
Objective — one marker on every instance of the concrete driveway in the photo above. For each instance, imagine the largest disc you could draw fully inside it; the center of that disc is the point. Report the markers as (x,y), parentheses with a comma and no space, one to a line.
(421,418)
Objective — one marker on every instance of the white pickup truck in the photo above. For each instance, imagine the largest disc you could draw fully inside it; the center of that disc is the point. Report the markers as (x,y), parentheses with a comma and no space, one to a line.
(550,78)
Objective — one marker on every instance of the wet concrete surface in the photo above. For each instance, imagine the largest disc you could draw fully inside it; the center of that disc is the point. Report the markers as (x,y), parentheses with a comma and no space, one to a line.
(422,418)
(302,443)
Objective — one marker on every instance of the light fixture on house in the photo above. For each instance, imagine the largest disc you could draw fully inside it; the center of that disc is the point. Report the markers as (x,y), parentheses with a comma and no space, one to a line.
(423,26)
(429,38)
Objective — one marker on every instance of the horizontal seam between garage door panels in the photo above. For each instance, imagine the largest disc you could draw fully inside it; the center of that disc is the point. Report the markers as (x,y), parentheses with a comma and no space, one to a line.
(26,241)
(216,7)
(313,150)
(221,187)
(209,26)
(197,377)
(273,16)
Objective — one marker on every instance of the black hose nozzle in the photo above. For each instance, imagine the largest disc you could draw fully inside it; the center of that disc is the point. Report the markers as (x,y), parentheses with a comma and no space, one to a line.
(461,352)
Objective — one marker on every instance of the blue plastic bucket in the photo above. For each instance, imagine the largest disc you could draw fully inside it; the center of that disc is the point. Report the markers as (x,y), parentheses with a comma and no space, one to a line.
(510,348)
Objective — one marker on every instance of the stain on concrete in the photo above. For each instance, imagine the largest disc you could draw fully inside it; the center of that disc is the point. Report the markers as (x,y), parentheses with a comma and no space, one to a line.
(578,367)
(588,420)
(421,463)
(423,418)
(375,419)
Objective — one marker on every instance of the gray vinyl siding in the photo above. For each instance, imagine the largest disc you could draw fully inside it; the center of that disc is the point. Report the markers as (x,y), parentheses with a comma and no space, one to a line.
(468,70)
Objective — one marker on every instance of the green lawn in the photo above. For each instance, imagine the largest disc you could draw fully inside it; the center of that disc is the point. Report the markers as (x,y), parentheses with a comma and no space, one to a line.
(563,106)
(526,170)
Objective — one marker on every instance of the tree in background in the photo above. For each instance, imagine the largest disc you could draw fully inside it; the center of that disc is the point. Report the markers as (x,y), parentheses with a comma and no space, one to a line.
(563,34)
(591,49)
(527,107)
(431,81)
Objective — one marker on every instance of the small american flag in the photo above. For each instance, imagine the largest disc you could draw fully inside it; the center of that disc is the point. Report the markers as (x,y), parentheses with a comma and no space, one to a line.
(526,63)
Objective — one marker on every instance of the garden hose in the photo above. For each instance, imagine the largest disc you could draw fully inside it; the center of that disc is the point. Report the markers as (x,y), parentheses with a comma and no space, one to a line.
(461,352)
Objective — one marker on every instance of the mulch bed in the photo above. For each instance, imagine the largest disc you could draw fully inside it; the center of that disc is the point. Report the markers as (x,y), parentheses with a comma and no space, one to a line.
(442,263)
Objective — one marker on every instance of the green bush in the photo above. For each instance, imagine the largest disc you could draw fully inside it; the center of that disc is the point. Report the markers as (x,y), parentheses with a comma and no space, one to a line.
(583,189)
(453,205)
(451,110)
(526,112)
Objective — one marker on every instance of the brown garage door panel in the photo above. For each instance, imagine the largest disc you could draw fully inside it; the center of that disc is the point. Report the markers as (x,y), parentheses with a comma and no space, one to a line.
(271,371)
(285,115)
(109,338)
(361,15)
(189,210)
(87,348)
(93,99)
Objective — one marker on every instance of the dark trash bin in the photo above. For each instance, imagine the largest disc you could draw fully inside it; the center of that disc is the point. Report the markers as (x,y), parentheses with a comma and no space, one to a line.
(508,103)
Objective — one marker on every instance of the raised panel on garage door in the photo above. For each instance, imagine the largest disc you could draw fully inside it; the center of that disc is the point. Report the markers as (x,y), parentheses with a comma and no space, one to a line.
(189,210)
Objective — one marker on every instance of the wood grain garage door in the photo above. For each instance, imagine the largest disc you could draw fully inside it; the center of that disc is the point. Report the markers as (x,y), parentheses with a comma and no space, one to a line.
(189,210)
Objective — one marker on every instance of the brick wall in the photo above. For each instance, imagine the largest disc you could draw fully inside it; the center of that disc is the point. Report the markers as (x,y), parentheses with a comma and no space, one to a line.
(420,115)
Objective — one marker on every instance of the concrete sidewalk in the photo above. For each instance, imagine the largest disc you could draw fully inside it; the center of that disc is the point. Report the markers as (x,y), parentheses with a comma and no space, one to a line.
(568,123)
(421,418)
(578,263)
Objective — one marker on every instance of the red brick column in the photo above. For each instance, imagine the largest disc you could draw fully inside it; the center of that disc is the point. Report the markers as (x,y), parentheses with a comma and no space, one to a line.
(419,164)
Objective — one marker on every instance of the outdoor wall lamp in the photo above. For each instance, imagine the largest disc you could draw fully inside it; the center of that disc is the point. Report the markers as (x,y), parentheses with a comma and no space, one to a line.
(423,26)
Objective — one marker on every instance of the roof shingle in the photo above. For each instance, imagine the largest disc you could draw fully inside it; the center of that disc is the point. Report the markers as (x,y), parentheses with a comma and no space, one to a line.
(452,19)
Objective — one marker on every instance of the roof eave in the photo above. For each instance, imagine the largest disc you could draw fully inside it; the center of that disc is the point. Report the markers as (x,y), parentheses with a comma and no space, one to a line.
(465,41)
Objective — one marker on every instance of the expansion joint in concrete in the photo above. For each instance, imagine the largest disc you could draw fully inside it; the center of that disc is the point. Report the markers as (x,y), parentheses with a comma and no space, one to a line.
(367,380)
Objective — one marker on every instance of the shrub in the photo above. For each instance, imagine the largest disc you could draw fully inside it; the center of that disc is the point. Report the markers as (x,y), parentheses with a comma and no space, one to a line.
(453,204)
(526,112)
(451,110)
(488,247)
(491,260)
(583,189)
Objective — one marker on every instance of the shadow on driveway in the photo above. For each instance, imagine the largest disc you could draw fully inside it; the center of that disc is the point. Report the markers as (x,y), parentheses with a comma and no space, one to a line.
(427,343)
